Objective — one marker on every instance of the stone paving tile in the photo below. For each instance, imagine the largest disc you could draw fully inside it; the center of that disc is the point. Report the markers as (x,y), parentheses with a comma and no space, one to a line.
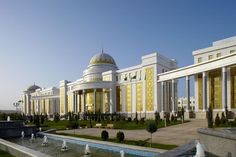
(177,134)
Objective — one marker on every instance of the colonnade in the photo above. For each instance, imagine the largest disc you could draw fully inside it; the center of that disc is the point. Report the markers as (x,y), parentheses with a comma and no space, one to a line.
(205,91)
(47,106)
(81,105)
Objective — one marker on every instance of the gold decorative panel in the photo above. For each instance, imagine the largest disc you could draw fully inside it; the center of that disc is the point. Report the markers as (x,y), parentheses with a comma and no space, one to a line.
(233,87)
(98,101)
(90,101)
(106,101)
(215,89)
(199,80)
(139,95)
(128,98)
(69,103)
(118,99)
(62,100)
(149,89)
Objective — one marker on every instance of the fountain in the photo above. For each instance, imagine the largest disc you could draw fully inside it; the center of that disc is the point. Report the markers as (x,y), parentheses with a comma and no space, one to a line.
(13,128)
(32,139)
(8,118)
(122,153)
(45,141)
(87,150)
(22,134)
(200,151)
(64,147)
(40,129)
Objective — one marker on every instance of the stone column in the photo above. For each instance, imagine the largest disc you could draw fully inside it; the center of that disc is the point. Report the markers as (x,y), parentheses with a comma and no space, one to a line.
(84,102)
(75,100)
(94,95)
(162,96)
(103,107)
(110,101)
(78,102)
(224,88)
(187,93)
(204,91)
(173,95)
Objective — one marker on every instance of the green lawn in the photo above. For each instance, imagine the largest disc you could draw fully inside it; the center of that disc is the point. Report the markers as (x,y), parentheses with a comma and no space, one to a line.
(5,154)
(130,142)
(62,124)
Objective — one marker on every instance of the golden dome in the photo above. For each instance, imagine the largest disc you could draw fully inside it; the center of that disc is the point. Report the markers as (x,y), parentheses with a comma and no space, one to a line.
(102,58)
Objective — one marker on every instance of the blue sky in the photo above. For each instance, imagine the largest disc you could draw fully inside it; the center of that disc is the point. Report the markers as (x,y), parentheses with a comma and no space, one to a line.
(48,41)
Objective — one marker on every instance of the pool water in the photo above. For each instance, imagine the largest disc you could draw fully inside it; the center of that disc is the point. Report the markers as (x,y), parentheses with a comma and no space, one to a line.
(75,150)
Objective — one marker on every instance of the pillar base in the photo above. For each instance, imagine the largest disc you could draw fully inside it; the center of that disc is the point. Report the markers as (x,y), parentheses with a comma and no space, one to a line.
(201,115)
(186,115)
(162,113)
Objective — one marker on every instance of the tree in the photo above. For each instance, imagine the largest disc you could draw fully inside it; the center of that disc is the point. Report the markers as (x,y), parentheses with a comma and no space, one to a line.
(217,120)
(223,119)
(37,121)
(182,113)
(227,114)
(210,117)
(151,127)
(42,118)
(157,117)
(56,117)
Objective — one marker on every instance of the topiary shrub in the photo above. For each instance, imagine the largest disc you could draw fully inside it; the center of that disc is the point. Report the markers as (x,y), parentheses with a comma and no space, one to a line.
(167,115)
(56,117)
(172,118)
(104,135)
(129,119)
(217,120)
(142,120)
(210,117)
(157,117)
(223,119)
(72,125)
(120,136)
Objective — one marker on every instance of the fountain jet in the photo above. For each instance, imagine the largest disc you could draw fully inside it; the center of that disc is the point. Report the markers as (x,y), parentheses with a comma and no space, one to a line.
(64,147)
(22,134)
(45,141)
(32,139)
(200,151)
(122,153)
(8,118)
(87,150)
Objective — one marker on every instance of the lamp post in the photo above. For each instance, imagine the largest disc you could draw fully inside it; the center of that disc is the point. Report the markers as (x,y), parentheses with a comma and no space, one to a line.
(16,104)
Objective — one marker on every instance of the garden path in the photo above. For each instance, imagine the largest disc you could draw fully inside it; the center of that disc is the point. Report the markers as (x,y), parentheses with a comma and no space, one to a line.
(176,134)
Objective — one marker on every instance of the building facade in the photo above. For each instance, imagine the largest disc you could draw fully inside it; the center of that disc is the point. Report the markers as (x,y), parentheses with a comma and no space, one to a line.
(145,88)
(38,100)
(105,88)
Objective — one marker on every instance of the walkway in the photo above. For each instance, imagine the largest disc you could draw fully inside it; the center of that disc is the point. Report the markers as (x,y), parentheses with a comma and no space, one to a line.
(177,134)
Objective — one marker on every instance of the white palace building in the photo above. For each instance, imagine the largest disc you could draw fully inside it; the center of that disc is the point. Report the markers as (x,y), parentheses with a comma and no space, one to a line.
(145,88)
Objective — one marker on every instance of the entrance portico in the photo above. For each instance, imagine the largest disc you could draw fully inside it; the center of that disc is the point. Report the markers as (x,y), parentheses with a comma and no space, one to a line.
(93,97)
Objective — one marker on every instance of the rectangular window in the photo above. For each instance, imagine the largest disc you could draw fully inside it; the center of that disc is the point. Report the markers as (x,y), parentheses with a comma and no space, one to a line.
(199,60)
(232,51)
(218,55)
(210,57)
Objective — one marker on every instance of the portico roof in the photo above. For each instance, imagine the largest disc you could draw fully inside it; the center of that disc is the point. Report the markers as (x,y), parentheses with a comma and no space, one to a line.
(92,85)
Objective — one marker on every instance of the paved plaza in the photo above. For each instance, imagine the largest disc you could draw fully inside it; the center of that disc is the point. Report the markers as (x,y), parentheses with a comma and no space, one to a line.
(177,134)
